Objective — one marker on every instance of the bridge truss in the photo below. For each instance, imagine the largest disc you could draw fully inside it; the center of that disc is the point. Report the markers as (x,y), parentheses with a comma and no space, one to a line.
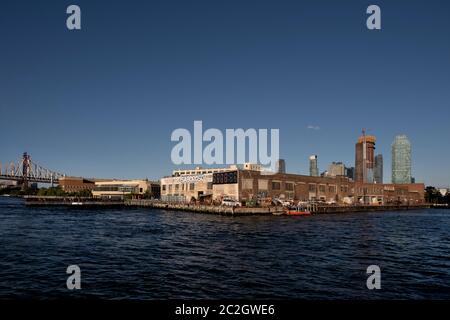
(26,171)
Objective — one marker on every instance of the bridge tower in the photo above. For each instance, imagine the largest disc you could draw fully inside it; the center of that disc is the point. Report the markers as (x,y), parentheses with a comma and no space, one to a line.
(26,164)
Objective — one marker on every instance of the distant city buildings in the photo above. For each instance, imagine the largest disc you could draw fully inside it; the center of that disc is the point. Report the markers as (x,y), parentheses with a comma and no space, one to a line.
(378,170)
(401,160)
(324,174)
(365,159)
(336,169)
(8,184)
(281,166)
(350,172)
(313,168)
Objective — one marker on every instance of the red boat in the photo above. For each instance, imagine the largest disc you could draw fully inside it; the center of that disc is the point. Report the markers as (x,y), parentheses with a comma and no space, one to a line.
(298,212)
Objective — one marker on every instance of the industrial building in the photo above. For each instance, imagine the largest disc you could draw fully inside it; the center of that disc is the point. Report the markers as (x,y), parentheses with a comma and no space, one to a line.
(76,184)
(258,186)
(118,189)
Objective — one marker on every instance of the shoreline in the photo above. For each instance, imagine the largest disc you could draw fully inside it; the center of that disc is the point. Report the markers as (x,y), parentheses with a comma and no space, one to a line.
(79,203)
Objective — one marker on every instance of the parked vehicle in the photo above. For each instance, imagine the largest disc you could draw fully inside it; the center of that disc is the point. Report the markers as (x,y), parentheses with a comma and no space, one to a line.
(281,202)
(231,203)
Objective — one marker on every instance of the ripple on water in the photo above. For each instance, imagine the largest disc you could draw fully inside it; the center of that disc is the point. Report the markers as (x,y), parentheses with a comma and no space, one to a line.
(154,254)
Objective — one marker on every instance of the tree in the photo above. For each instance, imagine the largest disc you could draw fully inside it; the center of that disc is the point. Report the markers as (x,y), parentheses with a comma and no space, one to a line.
(432,195)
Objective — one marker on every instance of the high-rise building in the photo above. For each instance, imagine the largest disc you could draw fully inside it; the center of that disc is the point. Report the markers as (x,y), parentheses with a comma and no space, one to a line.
(364,158)
(350,172)
(313,168)
(336,169)
(281,166)
(378,171)
(401,160)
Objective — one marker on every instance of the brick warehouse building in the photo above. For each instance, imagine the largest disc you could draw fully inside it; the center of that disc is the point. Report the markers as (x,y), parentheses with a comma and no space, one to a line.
(246,185)
(76,184)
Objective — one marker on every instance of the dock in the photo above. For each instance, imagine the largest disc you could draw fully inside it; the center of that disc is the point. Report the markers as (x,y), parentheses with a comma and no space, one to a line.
(243,211)
(77,202)
(222,210)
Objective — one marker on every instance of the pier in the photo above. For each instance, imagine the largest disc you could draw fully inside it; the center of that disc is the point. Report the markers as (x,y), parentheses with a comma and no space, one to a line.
(243,211)
(79,202)
(223,210)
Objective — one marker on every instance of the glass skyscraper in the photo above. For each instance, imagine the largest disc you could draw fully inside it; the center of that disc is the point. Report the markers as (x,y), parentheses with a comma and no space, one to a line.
(313,168)
(401,160)
(378,169)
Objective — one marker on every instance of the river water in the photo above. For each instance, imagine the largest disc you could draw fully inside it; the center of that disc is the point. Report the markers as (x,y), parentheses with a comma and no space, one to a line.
(157,254)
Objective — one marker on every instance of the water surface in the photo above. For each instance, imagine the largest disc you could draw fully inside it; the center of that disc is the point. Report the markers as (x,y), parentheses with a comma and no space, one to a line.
(157,254)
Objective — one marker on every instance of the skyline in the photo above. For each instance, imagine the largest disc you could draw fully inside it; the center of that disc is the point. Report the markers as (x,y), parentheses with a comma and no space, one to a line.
(103,101)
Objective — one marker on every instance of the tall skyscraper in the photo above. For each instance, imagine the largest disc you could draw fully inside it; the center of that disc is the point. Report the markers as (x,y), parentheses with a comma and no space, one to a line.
(378,170)
(401,160)
(313,169)
(281,166)
(364,158)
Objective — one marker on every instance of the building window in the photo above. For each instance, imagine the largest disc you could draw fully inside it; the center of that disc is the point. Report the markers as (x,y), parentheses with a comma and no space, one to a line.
(247,184)
(170,187)
(332,189)
(321,188)
(209,186)
(312,187)
(263,185)
(191,186)
(289,186)
(276,185)
(177,187)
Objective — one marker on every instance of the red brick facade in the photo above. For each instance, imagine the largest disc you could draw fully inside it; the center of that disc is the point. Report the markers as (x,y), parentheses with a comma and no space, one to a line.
(253,185)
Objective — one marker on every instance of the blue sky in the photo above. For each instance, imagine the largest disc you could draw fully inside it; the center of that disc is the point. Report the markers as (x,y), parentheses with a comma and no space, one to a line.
(104,100)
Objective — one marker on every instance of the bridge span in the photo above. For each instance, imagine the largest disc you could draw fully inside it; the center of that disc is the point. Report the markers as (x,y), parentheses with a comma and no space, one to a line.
(26,171)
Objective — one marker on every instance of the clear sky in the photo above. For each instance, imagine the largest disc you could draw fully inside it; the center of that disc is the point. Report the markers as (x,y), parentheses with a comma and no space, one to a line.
(104,100)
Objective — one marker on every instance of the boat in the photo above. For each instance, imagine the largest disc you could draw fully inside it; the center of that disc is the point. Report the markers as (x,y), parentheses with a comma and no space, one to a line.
(298,211)
(77,203)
